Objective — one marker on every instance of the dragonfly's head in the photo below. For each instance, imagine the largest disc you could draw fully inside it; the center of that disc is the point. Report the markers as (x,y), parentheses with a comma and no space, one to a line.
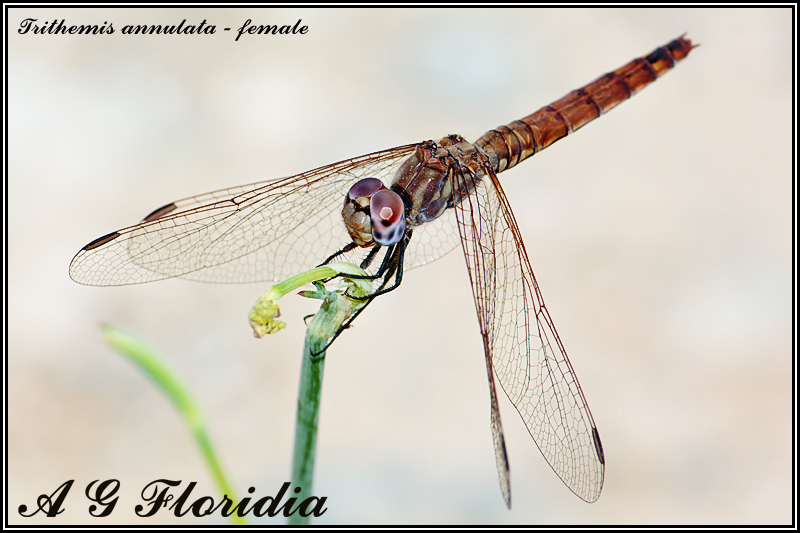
(374,214)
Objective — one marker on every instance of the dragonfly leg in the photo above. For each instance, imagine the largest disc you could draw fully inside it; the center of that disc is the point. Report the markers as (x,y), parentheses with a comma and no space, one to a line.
(341,329)
(347,248)
(396,269)
(391,266)
(370,257)
(381,272)
(364,264)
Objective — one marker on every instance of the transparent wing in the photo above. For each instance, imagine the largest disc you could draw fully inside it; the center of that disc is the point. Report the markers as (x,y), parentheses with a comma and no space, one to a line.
(521,344)
(259,232)
(431,241)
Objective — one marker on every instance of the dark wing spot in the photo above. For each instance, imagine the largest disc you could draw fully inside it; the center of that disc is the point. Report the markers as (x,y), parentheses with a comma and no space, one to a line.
(101,241)
(598,446)
(160,212)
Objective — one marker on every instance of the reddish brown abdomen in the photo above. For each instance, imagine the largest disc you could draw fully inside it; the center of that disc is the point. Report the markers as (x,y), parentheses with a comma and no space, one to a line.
(508,145)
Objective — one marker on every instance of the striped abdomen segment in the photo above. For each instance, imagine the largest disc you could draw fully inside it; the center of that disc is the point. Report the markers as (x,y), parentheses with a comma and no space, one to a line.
(508,145)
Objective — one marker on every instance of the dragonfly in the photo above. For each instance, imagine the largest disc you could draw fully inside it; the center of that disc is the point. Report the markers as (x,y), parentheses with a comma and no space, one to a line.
(397,209)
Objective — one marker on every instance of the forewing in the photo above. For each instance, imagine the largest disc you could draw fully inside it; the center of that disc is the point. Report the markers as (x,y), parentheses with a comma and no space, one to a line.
(259,232)
(521,342)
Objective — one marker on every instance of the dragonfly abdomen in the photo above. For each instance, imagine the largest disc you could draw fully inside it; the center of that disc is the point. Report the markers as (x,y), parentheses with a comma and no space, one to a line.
(509,145)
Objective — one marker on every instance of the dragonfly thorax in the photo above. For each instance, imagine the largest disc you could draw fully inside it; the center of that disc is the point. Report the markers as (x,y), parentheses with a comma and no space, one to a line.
(425,180)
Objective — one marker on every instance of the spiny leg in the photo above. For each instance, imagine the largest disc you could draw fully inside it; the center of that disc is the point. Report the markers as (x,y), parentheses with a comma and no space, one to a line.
(364,264)
(385,264)
(370,257)
(341,329)
(346,248)
(367,299)
(349,248)
(392,265)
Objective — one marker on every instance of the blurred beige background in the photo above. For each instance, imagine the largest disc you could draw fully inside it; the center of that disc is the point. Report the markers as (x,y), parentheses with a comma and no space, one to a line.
(660,236)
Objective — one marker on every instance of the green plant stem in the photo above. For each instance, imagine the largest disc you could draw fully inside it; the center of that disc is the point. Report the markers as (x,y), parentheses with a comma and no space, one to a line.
(156,368)
(336,308)
(305,431)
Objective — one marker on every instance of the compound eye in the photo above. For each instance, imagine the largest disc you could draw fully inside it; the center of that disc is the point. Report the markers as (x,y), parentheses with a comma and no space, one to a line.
(388,216)
(365,188)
